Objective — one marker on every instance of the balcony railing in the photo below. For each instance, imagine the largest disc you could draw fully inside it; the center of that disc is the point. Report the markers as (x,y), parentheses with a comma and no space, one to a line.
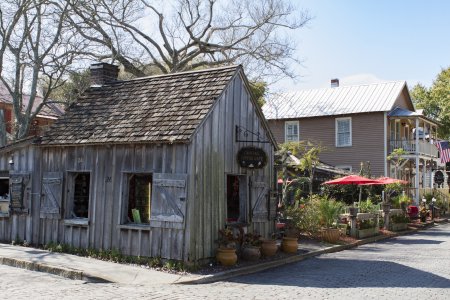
(425,148)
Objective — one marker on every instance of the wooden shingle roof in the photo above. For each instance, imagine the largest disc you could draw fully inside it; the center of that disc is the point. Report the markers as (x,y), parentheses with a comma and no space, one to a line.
(165,108)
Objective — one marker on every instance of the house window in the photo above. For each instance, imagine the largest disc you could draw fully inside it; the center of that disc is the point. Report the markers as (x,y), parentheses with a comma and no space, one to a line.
(343,132)
(79,208)
(291,131)
(139,198)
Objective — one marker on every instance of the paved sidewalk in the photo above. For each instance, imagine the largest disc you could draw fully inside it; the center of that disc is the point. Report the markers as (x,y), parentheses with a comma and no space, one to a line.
(93,270)
(88,269)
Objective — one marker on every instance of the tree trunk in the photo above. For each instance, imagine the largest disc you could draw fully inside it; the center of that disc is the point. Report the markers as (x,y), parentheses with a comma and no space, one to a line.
(2,128)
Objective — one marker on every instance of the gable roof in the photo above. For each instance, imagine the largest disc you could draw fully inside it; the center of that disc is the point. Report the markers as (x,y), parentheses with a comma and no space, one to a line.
(164,108)
(378,97)
(50,110)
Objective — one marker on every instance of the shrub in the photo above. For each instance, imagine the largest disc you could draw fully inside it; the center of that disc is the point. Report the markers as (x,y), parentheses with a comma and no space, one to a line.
(329,210)
(399,219)
(398,200)
(367,224)
(367,207)
(304,217)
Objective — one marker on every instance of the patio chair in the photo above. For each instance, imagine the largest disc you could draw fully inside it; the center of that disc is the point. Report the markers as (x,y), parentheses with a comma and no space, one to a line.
(413,212)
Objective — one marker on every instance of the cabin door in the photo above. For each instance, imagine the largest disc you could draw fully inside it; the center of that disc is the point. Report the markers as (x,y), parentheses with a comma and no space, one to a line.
(237,198)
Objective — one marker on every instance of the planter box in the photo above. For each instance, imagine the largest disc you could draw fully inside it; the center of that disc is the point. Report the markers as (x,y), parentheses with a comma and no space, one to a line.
(363,233)
(399,226)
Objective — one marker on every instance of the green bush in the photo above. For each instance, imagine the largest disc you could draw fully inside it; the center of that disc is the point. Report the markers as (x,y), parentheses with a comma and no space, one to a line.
(329,210)
(398,200)
(367,224)
(367,206)
(304,218)
(399,219)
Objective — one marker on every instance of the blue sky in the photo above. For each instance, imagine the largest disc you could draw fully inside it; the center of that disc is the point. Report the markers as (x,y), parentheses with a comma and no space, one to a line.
(368,41)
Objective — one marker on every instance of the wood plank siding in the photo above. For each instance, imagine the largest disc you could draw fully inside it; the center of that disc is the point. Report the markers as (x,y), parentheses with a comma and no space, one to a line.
(107,167)
(213,156)
(186,179)
(367,139)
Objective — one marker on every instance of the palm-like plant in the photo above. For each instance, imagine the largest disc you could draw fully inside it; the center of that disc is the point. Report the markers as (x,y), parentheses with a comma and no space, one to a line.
(329,210)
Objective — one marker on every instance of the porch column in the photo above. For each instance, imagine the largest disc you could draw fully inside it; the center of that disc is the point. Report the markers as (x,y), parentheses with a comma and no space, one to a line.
(385,132)
(424,174)
(416,179)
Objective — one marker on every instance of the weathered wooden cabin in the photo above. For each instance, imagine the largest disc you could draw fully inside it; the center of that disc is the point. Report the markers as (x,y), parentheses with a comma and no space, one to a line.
(153,167)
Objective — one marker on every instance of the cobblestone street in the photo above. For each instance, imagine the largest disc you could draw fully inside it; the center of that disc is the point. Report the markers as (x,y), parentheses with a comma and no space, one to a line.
(409,267)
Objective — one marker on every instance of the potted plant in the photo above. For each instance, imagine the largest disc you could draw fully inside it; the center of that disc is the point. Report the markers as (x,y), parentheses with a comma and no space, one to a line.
(226,253)
(329,210)
(289,243)
(269,247)
(251,244)
(367,227)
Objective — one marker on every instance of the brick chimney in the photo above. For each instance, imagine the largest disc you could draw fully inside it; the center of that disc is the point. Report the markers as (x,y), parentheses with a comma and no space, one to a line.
(103,73)
(334,82)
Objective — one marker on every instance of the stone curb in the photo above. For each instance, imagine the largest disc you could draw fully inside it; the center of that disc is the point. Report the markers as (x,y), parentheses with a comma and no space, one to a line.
(59,271)
(80,275)
(276,263)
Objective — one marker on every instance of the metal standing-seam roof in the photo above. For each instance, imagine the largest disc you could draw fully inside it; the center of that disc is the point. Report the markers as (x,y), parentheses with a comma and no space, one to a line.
(334,101)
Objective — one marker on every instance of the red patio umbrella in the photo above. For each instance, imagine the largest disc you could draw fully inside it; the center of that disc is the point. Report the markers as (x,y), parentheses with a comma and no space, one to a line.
(387,180)
(352,179)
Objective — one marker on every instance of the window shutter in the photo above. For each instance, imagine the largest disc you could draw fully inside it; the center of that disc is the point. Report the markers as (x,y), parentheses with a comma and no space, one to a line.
(19,191)
(51,200)
(259,199)
(168,202)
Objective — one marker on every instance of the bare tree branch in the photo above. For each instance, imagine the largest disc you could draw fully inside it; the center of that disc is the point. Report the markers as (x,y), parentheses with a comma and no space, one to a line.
(36,43)
(185,34)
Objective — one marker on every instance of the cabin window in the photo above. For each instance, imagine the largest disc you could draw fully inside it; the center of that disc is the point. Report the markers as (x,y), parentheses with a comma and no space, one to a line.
(343,132)
(79,204)
(139,198)
(4,193)
(291,131)
(81,195)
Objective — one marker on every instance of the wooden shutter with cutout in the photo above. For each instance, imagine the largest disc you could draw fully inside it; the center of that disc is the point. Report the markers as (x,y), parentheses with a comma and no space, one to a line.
(168,202)
(259,199)
(51,197)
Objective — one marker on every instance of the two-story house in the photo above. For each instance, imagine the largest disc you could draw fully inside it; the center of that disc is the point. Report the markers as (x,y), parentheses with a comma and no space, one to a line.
(361,123)
(46,116)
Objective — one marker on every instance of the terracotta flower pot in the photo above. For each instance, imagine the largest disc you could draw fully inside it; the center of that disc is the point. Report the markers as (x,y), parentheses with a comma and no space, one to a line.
(289,244)
(251,253)
(269,247)
(330,235)
(226,256)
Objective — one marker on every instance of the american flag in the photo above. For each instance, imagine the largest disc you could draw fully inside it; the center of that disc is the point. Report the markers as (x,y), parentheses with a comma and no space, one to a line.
(444,150)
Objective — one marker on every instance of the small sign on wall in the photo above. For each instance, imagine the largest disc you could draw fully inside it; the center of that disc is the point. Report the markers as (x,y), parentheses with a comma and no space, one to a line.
(252,158)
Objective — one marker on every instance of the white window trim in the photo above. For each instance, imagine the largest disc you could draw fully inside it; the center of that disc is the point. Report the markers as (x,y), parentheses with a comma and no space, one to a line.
(285,130)
(344,167)
(336,132)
